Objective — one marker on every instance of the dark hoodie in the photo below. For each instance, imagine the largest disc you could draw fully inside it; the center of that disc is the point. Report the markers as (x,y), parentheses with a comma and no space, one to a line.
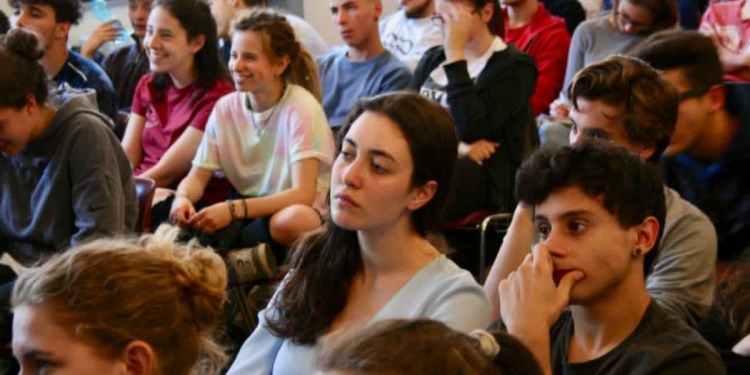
(496,107)
(72,183)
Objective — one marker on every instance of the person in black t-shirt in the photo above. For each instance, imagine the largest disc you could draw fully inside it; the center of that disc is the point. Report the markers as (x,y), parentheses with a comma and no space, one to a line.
(600,212)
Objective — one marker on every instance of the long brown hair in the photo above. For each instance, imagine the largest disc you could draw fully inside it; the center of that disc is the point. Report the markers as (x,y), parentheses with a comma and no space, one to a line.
(279,40)
(195,17)
(325,262)
(732,301)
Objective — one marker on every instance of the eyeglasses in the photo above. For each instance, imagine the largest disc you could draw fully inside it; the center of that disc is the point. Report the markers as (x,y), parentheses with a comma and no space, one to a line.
(624,20)
(693,93)
(437,20)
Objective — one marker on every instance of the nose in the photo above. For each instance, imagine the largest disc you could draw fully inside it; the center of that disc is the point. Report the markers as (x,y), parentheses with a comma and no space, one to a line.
(340,18)
(575,137)
(351,174)
(141,13)
(19,21)
(150,40)
(556,243)
(234,64)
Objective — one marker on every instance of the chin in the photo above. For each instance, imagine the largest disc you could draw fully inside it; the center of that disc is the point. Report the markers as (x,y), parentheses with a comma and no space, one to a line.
(344,220)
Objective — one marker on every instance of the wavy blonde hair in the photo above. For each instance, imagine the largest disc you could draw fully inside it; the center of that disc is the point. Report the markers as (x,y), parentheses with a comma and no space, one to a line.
(111,292)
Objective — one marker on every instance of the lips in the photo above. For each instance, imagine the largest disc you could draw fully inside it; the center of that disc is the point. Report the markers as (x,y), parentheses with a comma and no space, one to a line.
(346,201)
(558,275)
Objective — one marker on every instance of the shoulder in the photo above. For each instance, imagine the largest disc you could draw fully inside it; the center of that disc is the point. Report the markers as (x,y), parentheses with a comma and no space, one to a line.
(88,68)
(299,96)
(232,102)
(669,339)
(511,59)
(547,22)
(329,59)
(83,122)
(680,210)
(222,87)
(590,27)
(393,64)
(444,276)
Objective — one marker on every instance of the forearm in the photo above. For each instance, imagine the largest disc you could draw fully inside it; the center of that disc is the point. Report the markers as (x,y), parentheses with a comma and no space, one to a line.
(131,141)
(193,185)
(269,205)
(516,245)
(163,176)
(466,108)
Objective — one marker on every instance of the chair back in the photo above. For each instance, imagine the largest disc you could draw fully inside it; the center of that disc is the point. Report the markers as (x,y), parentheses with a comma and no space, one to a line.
(144,189)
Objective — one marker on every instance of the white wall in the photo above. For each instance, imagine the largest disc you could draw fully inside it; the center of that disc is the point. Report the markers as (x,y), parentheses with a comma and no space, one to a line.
(316,12)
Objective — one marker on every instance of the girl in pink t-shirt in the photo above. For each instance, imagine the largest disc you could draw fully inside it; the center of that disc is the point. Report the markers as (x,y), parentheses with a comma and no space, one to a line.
(728,24)
(172,104)
(270,139)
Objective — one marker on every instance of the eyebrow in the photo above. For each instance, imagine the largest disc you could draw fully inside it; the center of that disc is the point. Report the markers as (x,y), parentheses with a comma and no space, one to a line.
(34,353)
(566,215)
(372,152)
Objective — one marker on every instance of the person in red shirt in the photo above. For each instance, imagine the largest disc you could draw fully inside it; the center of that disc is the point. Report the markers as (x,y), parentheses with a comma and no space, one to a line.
(545,37)
(172,103)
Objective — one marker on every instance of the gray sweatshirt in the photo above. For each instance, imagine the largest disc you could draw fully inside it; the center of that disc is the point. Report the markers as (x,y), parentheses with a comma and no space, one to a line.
(72,183)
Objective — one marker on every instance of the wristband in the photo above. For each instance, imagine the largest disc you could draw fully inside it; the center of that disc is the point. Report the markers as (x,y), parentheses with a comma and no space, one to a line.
(231,209)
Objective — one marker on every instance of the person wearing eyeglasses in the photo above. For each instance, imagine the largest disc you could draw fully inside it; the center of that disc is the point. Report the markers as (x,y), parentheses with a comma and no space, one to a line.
(709,152)
(618,31)
(486,85)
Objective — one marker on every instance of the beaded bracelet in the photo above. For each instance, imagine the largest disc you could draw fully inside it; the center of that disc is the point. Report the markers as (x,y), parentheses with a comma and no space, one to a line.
(231,209)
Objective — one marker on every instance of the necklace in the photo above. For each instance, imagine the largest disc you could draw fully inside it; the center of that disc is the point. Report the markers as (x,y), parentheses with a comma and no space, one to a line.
(263,123)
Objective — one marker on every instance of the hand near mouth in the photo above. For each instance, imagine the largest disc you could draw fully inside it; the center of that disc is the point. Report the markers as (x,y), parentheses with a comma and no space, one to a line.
(529,297)
(530,303)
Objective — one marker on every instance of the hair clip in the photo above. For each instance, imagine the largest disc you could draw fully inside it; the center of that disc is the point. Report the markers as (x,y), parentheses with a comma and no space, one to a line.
(487,342)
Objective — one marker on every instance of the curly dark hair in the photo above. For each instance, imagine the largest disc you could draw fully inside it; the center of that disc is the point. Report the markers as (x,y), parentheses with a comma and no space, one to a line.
(630,189)
(65,10)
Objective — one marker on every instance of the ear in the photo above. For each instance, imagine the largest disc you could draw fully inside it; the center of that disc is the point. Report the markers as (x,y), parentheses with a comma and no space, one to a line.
(139,358)
(62,29)
(717,97)
(486,12)
(645,152)
(197,43)
(378,9)
(422,195)
(31,104)
(646,234)
(281,64)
